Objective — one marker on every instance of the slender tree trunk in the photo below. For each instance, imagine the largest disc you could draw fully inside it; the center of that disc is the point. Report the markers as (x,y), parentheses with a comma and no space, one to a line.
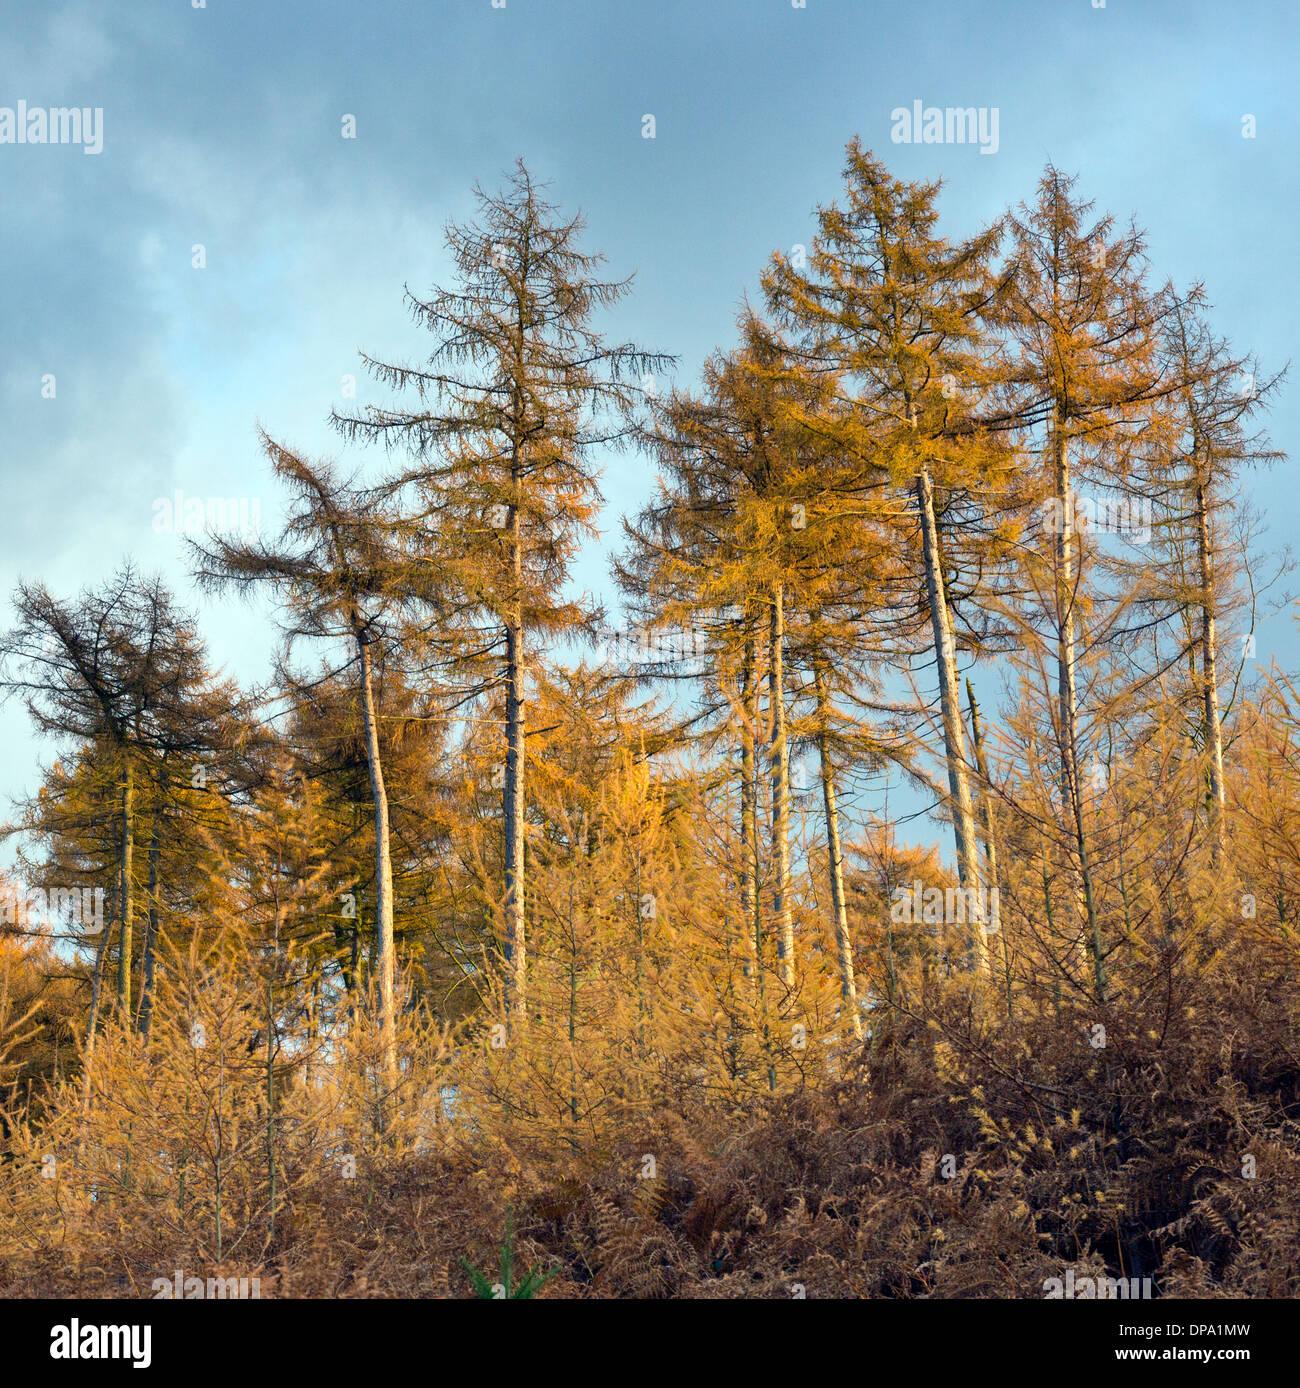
(353,976)
(513,811)
(219,1147)
(271,1168)
(754,850)
(1067,687)
(954,740)
(839,905)
(1121,865)
(1210,671)
(748,865)
(994,922)
(639,922)
(779,770)
(573,989)
(313,1034)
(516,943)
(96,993)
(128,851)
(150,929)
(383,869)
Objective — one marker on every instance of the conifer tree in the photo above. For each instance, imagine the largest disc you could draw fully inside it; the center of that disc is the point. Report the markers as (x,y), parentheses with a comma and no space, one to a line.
(518,393)
(1188,479)
(334,567)
(122,668)
(899,313)
(1084,328)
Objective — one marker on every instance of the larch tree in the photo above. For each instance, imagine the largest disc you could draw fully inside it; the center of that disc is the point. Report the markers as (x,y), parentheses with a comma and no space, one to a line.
(900,315)
(123,668)
(334,568)
(1189,479)
(1083,328)
(716,552)
(520,393)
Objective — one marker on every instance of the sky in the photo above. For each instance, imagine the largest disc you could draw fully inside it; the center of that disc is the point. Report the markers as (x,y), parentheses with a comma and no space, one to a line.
(220,261)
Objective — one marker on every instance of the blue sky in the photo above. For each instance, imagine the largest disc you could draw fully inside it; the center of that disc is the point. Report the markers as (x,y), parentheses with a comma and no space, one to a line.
(222,128)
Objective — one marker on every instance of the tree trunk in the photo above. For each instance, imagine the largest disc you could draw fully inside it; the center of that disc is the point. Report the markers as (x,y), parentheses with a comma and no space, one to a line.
(954,740)
(271,1168)
(128,851)
(839,906)
(748,861)
(150,929)
(352,977)
(383,869)
(753,844)
(994,922)
(779,770)
(313,1035)
(1067,689)
(516,952)
(641,1009)
(573,987)
(96,992)
(1210,672)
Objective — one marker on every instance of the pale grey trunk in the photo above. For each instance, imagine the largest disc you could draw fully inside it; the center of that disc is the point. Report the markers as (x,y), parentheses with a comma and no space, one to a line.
(126,943)
(1210,672)
(990,846)
(96,992)
(779,771)
(384,947)
(150,929)
(954,740)
(580,849)
(641,1008)
(748,862)
(835,853)
(516,943)
(516,954)
(753,848)
(1067,689)
(272,1171)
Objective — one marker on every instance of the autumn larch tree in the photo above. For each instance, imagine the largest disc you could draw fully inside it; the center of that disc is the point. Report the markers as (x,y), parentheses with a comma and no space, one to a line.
(1189,478)
(122,668)
(1084,329)
(334,570)
(900,314)
(518,394)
